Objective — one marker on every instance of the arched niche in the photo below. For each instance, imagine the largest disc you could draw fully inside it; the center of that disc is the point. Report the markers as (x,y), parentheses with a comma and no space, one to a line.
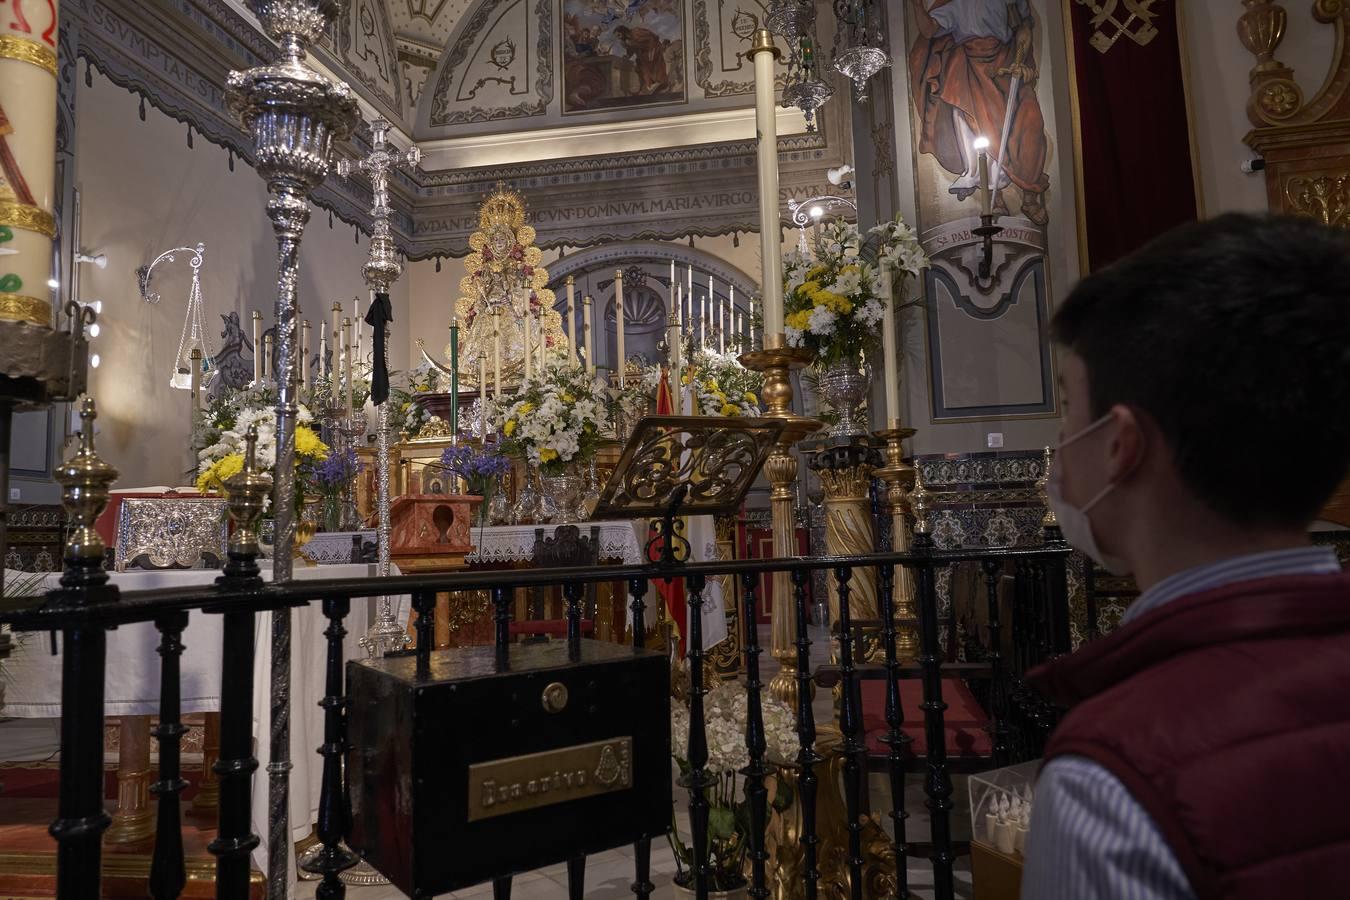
(647,291)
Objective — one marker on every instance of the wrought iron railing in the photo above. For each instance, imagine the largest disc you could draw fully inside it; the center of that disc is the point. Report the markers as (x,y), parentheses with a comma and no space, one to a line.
(86,606)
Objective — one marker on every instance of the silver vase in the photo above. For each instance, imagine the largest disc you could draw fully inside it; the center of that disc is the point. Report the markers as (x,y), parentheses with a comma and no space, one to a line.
(562,496)
(844,386)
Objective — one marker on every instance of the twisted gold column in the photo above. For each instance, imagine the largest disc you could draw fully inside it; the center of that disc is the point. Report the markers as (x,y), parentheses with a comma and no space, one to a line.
(777,361)
(848,528)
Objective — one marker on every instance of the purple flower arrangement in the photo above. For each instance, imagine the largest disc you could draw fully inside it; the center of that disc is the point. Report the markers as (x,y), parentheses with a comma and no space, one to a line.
(334,472)
(480,470)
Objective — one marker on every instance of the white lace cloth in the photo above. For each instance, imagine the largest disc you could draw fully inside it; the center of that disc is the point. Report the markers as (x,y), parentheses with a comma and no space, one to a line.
(515,543)
(335,547)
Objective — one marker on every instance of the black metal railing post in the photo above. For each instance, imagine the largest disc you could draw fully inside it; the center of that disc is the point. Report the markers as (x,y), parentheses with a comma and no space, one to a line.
(998,678)
(424,604)
(501,620)
(895,739)
(850,723)
(168,874)
(938,784)
(807,757)
(334,815)
(236,764)
(572,595)
(642,850)
(754,773)
(697,779)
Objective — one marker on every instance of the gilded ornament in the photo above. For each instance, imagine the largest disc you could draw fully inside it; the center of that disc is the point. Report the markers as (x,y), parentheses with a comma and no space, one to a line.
(1137,23)
(30,218)
(1280,99)
(22,308)
(1322,197)
(24,50)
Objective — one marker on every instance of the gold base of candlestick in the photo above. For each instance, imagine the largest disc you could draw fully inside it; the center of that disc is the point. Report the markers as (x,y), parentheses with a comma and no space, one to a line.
(777,361)
(899,478)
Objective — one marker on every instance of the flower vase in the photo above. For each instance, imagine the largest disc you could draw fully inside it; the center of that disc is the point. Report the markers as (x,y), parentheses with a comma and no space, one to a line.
(332,512)
(499,510)
(525,511)
(563,493)
(844,386)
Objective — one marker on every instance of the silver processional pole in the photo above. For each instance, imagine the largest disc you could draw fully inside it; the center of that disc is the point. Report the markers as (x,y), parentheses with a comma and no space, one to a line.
(294,114)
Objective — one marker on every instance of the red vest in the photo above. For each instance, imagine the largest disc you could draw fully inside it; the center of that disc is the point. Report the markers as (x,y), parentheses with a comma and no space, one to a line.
(1227,716)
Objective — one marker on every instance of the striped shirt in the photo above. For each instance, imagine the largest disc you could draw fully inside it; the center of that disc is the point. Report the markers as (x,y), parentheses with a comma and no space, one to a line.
(1089,838)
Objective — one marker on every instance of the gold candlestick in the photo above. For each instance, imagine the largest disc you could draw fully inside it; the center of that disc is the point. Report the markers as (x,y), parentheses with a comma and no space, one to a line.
(899,477)
(776,361)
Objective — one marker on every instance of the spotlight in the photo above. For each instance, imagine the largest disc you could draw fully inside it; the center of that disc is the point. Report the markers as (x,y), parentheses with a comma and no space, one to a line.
(94,330)
(94,361)
(53,283)
(839,176)
(981,143)
(98,306)
(817,212)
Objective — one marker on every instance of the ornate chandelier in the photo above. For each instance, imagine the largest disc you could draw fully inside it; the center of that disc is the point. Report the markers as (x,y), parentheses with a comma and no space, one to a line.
(805,89)
(859,50)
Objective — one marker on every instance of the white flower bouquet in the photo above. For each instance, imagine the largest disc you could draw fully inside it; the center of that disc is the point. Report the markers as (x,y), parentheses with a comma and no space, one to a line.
(556,418)
(725,711)
(833,300)
(721,385)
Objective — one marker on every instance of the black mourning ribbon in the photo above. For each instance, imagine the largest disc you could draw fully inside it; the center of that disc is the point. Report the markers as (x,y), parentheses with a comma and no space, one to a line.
(380,314)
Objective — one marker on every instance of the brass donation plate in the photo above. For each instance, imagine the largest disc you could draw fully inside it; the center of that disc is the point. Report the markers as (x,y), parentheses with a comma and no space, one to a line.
(518,783)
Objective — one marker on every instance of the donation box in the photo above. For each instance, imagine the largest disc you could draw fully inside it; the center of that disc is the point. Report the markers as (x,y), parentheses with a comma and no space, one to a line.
(488,766)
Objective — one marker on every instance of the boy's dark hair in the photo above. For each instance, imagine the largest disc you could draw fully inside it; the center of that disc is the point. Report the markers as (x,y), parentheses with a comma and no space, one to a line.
(1233,334)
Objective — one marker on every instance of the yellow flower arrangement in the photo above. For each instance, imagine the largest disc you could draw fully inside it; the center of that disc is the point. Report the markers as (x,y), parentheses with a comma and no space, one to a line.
(214,476)
(509,427)
(547,454)
(730,409)
(307,443)
(751,398)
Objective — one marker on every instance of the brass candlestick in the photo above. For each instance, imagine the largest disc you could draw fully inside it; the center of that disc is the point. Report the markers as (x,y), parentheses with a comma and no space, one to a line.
(777,361)
(86,483)
(899,478)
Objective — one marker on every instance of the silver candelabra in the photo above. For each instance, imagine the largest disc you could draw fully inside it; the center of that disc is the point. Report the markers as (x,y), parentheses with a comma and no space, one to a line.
(380,271)
(294,114)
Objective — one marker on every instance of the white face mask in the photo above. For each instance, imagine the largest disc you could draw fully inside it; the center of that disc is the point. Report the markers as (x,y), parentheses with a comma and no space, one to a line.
(1074,522)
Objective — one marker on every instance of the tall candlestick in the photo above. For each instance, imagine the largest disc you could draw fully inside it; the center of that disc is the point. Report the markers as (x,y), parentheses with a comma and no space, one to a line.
(349,389)
(586,333)
(482,395)
(257,346)
(889,351)
(357,322)
(618,322)
(304,353)
(335,368)
(454,378)
(570,326)
(496,354)
(323,351)
(267,357)
(721,319)
(703,322)
(525,340)
(986,198)
(763,52)
(672,284)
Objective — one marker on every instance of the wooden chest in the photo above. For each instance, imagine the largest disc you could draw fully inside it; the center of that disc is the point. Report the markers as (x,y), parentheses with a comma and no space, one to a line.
(480,770)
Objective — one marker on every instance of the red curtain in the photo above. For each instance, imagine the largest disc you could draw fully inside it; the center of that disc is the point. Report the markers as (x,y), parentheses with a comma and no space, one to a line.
(1134,147)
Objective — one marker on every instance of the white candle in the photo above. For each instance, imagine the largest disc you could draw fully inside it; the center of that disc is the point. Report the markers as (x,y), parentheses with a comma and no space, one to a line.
(195,379)
(525,331)
(304,353)
(335,370)
(496,354)
(267,356)
(986,200)
(618,321)
(570,326)
(350,390)
(482,395)
(703,321)
(764,53)
(323,349)
(257,346)
(672,284)
(586,333)
(679,305)
(889,351)
(357,322)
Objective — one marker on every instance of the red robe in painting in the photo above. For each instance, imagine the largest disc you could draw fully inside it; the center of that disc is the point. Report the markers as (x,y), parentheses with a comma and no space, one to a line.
(959,66)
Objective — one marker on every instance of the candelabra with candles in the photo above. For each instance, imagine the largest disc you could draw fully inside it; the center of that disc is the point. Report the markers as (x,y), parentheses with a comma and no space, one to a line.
(988,227)
(293,114)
